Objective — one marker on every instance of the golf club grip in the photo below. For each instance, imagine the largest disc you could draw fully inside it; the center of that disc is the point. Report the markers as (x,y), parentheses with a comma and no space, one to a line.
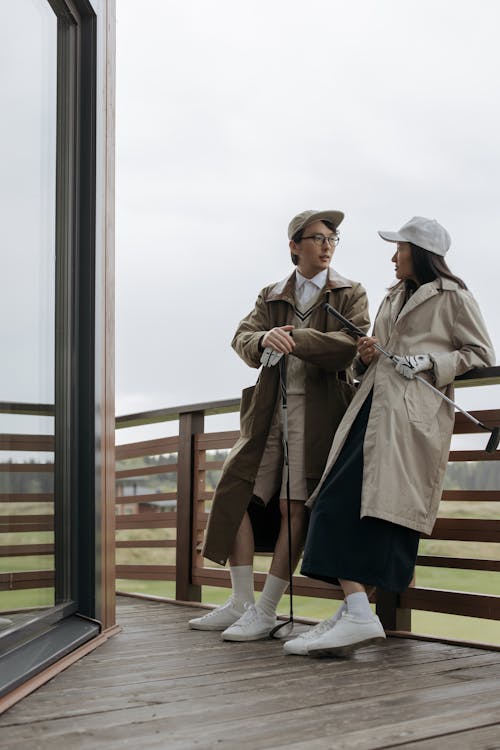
(332,311)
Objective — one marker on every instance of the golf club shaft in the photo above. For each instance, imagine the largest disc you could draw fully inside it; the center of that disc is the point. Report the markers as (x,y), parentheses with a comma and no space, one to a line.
(359,332)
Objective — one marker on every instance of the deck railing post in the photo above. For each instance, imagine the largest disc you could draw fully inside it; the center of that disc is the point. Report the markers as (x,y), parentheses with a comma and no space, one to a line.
(190,423)
(391,615)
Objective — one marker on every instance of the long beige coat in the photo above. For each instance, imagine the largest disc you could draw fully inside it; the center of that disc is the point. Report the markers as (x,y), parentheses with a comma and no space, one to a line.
(328,352)
(409,430)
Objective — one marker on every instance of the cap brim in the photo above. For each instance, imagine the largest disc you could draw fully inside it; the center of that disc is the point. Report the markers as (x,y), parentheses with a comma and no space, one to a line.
(334,216)
(391,236)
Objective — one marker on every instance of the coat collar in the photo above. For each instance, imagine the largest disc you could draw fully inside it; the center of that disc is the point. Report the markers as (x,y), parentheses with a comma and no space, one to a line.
(396,294)
(284,289)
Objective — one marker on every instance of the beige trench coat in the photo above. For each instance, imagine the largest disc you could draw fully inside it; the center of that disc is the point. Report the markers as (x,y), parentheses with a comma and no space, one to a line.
(409,429)
(328,352)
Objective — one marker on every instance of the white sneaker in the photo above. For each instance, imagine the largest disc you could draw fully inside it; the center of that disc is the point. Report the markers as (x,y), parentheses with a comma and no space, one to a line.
(348,634)
(299,644)
(252,626)
(219,618)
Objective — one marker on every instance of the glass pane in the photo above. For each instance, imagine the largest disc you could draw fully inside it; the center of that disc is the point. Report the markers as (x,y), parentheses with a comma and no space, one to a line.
(28,60)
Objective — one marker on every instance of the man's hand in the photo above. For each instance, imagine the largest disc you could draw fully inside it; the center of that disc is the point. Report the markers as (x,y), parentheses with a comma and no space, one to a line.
(279,339)
(366,350)
(410,364)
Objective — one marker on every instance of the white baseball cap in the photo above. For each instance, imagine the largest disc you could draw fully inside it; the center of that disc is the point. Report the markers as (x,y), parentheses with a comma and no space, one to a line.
(426,233)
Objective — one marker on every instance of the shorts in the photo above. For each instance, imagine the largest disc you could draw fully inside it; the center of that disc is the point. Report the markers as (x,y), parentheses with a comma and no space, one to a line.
(271,474)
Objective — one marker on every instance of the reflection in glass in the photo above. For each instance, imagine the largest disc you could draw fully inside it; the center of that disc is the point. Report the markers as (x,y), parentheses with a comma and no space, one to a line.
(28,51)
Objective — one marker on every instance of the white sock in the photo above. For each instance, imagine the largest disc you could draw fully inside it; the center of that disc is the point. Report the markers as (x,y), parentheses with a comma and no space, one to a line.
(242,583)
(338,614)
(273,590)
(358,606)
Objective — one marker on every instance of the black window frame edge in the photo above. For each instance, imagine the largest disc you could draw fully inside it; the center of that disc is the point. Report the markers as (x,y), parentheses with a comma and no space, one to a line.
(66,626)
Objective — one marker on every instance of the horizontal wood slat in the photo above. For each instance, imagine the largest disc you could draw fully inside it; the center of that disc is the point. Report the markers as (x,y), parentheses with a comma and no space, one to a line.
(467,529)
(204,465)
(16,442)
(146,521)
(489,417)
(27,579)
(213,441)
(26,497)
(146,572)
(18,468)
(452,602)
(472,496)
(136,543)
(26,523)
(464,563)
(144,471)
(150,497)
(23,550)
(476,455)
(147,448)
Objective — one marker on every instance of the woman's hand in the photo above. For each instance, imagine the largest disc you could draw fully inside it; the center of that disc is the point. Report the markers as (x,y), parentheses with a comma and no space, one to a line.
(366,351)
(279,339)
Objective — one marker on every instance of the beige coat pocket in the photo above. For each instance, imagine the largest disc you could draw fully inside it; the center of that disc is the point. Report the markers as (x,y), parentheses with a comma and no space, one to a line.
(422,404)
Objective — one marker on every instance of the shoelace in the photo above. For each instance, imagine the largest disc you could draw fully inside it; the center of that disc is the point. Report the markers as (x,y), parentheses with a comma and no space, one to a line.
(217,610)
(318,629)
(248,616)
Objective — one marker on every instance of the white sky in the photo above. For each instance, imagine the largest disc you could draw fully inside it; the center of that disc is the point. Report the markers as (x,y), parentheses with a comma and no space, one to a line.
(232,117)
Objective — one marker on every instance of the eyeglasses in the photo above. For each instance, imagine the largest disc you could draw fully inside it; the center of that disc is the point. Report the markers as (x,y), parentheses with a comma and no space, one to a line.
(332,240)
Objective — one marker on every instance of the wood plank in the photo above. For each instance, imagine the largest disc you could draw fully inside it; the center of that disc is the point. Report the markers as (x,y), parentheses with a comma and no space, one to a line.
(213,441)
(15,442)
(26,497)
(148,520)
(23,550)
(159,684)
(143,471)
(467,529)
(26,579)
(472,496)
(154,447)
(21,468)
(136,543)
(452,602)
(146,572)
(462,563)
(150,497)
(474,455)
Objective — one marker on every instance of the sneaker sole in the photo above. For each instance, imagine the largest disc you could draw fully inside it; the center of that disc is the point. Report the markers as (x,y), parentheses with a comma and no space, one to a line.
(212,628)
(344,650)
(242,638)
(295,653)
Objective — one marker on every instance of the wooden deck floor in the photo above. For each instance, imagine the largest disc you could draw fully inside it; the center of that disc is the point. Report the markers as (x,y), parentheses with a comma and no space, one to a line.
(160,685)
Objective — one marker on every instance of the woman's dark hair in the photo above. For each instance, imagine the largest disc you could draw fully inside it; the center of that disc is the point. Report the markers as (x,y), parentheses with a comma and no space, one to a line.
(297,237)
(428,266)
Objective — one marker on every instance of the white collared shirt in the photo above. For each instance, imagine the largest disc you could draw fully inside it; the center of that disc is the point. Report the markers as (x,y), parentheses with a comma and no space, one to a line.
(306,289)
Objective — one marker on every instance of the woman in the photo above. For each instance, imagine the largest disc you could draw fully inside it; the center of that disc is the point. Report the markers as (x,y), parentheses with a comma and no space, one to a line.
(382,483)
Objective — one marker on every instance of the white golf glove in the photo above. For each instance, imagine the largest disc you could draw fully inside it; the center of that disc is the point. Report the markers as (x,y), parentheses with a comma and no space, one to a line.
(409,365)
(269,357)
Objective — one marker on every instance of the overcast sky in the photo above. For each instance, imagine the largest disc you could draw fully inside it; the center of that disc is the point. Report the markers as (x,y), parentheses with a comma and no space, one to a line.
(232,117)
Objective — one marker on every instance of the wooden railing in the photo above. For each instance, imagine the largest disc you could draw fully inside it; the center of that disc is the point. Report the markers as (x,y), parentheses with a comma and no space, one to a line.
(165,528)
(20,531)
(194,496)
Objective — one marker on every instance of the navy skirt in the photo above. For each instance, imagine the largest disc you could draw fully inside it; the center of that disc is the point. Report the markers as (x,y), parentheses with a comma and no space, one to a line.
(339,543)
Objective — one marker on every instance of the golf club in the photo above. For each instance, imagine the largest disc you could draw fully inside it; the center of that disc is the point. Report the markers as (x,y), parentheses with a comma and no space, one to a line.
(495,431)
(284,426)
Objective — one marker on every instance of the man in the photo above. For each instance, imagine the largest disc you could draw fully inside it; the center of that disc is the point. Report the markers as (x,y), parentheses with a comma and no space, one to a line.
(288,319)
